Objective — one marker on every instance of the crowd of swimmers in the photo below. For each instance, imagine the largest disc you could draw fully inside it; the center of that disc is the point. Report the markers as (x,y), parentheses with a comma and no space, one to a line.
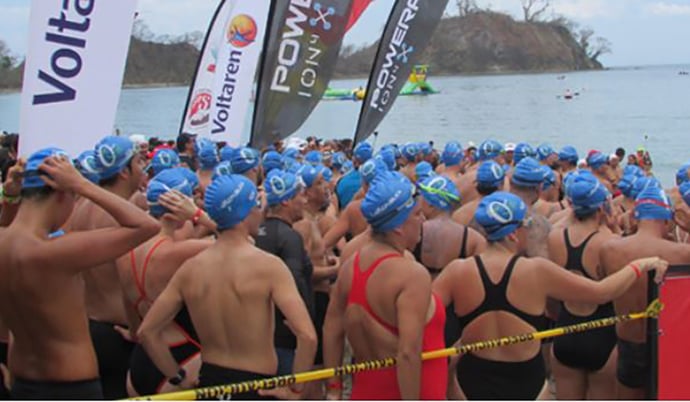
(143,268)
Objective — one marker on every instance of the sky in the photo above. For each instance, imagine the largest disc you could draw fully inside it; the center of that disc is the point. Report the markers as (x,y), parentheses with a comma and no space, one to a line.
(642,32)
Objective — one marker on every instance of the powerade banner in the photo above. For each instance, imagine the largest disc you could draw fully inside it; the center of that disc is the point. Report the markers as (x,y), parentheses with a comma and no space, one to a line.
(301,54)
(408,31)
(238,57)
(197,113)
(73,73)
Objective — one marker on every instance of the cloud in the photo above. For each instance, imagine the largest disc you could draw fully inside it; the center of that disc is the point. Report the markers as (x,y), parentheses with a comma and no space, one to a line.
(589,9)
(669,9)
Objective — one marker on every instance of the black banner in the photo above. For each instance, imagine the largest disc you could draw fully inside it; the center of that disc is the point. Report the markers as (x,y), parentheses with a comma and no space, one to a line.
(300,54)
(408,31)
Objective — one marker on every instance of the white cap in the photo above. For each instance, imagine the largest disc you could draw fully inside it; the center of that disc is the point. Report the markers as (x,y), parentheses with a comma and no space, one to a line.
(509,147)
(471,144)
(296,142)
(138,139)
(582,163)
(613,156)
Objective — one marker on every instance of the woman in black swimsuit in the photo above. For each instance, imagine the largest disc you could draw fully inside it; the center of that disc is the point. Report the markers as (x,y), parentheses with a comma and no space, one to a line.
(498,293)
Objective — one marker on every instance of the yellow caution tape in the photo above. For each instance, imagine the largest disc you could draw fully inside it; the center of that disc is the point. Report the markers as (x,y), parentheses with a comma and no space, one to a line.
(220,391)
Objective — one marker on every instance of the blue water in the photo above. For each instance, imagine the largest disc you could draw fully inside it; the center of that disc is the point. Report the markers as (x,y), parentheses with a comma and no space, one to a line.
(617,107)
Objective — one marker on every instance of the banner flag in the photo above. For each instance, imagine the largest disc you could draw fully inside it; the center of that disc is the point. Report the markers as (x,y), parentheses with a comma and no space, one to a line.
(73,74)
(300,57)
(408,31)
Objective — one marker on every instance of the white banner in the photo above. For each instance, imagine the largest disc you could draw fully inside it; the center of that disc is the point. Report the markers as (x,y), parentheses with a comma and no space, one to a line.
(197,118)
(73,75)
(236,68)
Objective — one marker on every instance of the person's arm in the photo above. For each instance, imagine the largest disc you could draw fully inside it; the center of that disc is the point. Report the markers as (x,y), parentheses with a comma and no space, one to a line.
(150,333)
(185,208)
(67,252)
(476,243)
(442,286)
(411,304)
(288,300)
(334,333)
(11,190)
(564,285)
(338,230)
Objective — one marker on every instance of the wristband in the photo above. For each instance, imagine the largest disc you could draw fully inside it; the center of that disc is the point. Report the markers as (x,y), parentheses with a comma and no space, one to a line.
(635,268)
(177,380)
(197,216)
(335,386)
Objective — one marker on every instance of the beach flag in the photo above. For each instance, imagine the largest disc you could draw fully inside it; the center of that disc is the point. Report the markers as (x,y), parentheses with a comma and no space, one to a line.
(73,72)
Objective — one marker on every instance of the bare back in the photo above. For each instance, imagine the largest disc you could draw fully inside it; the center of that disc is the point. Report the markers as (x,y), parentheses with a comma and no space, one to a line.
(102,285)
(50,330)
(467,186)
(619,252)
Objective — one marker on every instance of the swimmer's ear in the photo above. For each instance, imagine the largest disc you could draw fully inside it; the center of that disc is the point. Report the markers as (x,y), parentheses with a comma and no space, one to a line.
(513,237)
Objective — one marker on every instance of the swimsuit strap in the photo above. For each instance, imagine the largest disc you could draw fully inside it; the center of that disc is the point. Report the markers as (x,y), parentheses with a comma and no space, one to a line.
(358,290)
(140,281)
(463,247)
(576,253)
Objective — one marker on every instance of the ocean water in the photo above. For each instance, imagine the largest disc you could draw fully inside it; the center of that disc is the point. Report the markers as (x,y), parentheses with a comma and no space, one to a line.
(628,107)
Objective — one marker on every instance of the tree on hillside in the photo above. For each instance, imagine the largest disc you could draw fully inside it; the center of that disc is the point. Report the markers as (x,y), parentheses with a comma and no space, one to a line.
(533,10)
(466,7)
(7,60)
(594,48)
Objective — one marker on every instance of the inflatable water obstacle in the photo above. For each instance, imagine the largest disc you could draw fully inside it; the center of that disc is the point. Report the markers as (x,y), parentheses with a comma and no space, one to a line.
(416,85)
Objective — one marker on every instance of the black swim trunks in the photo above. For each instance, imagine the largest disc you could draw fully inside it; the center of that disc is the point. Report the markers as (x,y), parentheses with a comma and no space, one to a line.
(4,392)
(113,353)
(74,390)
(211,374)
(145,376)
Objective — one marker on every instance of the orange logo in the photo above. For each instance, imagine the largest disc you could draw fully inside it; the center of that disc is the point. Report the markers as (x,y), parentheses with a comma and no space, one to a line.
(242,31)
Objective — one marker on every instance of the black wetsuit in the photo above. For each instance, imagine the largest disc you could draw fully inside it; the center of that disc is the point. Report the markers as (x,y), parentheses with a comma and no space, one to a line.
(4,393)
(452,329)
(589,350)
(481,378)
(280,239)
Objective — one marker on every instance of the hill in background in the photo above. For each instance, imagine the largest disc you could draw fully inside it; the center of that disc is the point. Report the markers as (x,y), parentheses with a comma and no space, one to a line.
(481,41)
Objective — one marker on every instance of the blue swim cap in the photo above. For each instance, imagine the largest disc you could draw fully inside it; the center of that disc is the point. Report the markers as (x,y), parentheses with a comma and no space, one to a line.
(244,159)
(685,192)
(523,150)
(489,149)
(230,199)
(653,204)
(363,152)
(32,176)
(633,170)
(282,186)
(338,160)
(683,174)
(424,148)
(313,157)
(309,173)
(164,159)
(113,154)
(222,169)
(410,151)
(641,183)
(162,183)
(596,160)
(188,174)
(490,174)
(86,165)
(549,177)
(544,151)
(389,201)
(272,160)
(440,192)
(452,154)
(586,194)
(226,153)
(201,143)
(208,155)
(326,173)
(528,173)
(387,156)
(569,154)
(347,167)
(500,214)
(626,184)
(370,169)
(423,170)
(291,153)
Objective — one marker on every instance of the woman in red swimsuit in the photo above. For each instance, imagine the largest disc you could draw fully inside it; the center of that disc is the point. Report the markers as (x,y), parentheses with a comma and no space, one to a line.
(383,303)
